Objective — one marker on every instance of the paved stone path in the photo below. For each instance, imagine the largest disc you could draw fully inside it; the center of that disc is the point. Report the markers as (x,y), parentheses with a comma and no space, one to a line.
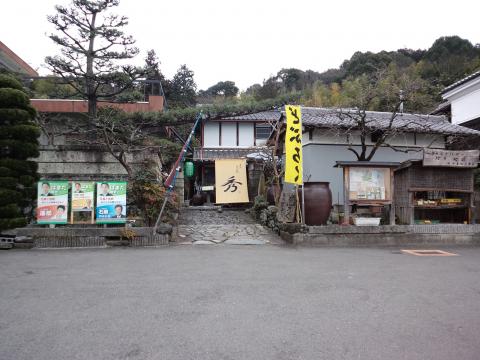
(210,226)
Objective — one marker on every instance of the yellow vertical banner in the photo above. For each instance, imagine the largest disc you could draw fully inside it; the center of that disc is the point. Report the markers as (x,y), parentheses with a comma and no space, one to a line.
(231,181)
(293,145)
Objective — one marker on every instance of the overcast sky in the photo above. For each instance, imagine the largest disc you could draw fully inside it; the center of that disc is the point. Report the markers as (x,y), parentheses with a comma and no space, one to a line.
(247,41)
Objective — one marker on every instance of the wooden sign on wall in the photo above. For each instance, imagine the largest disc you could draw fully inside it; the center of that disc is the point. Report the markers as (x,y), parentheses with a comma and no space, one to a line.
(451,158)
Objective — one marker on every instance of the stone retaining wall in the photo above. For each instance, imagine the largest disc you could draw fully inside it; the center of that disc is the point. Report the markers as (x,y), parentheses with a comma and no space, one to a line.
(387,235)
(90,237)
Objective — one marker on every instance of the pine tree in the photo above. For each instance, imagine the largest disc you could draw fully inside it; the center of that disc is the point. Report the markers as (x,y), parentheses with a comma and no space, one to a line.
(92,42)
(18,143)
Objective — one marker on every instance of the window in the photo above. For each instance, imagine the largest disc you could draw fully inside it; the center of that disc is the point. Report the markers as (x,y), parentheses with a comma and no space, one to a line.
(263,131)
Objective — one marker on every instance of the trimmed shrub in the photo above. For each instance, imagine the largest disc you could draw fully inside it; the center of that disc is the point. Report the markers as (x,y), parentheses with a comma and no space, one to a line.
(18,143)
(10,82)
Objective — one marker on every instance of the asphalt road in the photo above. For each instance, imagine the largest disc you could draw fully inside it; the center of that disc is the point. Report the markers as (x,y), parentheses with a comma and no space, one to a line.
(239,302)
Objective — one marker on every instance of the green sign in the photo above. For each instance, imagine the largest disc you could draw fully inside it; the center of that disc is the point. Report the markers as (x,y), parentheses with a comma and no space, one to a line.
(111,202)
(52,202)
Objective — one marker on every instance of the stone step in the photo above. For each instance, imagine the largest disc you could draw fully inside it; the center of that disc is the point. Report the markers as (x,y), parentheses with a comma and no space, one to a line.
(223,233)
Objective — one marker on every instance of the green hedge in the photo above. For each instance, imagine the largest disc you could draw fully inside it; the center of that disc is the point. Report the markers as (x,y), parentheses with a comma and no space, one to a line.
(25,132)
(12,223)
(15,116)
(7,81)
(18,149)
(8,196)
(14,99)
(27,180)
(19,166)
(8,182)
(10,211)
(18,143)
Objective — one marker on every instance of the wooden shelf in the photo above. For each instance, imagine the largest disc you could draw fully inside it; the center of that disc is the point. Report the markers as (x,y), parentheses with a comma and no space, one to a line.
(440,189)
(440,207)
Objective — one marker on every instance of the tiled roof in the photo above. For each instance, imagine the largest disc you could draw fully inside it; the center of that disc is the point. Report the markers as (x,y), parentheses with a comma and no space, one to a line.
(206,154)
(329,118)
(462,81)
(12,62)
(272,115)
(441,108)
(319,117)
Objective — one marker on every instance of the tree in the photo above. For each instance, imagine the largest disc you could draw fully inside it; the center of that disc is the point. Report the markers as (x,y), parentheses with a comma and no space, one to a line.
(92,42)
(183,88)
(18,143)
(223,88)
(52,88)
(153,72)
(387,90)
(292,79)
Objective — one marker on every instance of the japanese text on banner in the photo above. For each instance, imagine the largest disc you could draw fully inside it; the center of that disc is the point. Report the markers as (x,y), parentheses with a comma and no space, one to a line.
(231,181)
(293,145)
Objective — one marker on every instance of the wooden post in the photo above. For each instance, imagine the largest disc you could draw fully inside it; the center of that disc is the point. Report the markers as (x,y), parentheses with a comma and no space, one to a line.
(303,204)
(411,208)
(392,198)
(471,207)
(346,194)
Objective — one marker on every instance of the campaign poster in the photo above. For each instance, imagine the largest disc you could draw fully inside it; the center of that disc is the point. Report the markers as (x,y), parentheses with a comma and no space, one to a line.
(111,202)
(52,204)
(82,195)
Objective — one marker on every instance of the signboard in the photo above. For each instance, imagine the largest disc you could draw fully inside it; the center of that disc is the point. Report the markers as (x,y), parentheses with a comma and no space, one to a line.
(231,181)
(451,158)
(293,145)
(82,195)
(287,205)
(369,183)
(52,202)
(82,205)
(111,202)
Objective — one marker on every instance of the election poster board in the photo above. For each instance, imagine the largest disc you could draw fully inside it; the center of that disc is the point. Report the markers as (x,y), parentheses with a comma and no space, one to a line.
(52,202)
(293,145)
(82,209)
(111,202)
(231,181)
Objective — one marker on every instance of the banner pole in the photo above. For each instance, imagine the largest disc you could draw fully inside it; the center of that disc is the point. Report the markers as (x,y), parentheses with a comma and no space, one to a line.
(170,181)
(303,203)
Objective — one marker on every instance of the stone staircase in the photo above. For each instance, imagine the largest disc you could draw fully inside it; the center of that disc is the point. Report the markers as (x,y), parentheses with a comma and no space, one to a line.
(214,225)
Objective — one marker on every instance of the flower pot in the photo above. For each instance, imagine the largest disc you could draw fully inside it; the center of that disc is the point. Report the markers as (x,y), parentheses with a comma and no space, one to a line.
(272,192)
(318,203)
(197,200)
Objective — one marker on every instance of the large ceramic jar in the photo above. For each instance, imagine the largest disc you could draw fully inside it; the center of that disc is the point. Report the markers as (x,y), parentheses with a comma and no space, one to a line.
(318,203)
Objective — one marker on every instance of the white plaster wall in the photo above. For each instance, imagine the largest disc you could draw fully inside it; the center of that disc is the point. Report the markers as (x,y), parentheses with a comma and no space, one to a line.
(319,161)
(211,134)
(322,136)
(229,134)
(245,134)
(466,107)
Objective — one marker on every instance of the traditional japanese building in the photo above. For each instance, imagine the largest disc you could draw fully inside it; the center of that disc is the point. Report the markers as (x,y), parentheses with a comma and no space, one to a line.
(237,137)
